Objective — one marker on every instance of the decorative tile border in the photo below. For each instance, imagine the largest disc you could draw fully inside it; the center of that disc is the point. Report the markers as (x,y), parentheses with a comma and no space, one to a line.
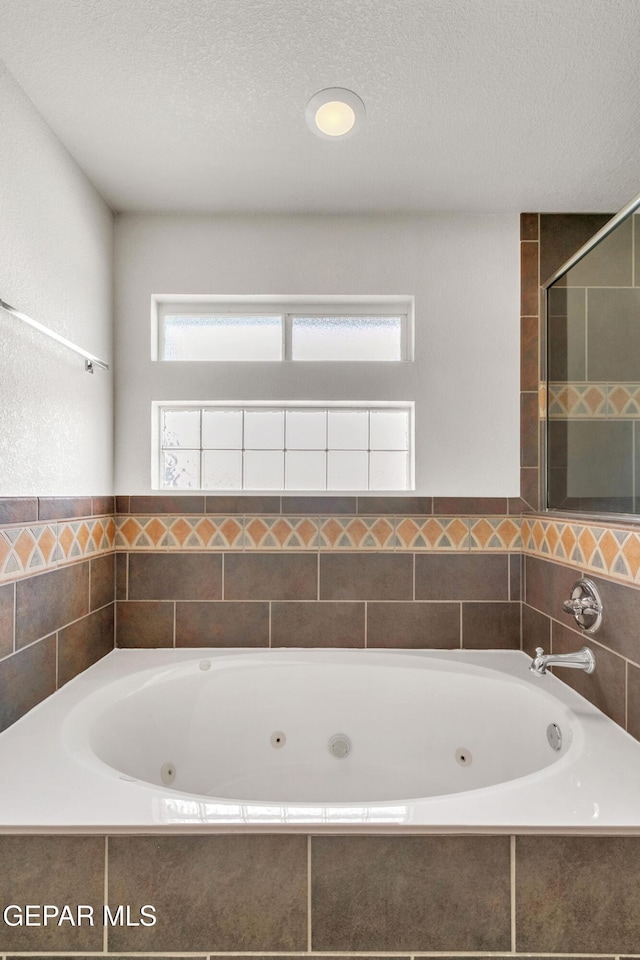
(358,533)
(595,401)
(607,550)
(34,548)
(381,533)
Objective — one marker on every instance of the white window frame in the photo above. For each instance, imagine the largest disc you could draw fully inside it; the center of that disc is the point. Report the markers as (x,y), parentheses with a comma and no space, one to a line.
(157,407)
(163,305)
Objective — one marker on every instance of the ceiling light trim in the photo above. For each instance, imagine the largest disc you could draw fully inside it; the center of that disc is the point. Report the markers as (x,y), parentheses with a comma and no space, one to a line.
(339,119)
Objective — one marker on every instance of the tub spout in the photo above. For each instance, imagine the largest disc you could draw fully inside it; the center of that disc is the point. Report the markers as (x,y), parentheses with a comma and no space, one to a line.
(581,660)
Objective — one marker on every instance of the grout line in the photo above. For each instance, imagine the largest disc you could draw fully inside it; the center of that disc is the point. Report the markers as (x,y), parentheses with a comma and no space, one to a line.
(175,617)
(512,863)
(366,623)
(89,579)
(413,594)
(270,602)
(309,937)
(318,575)
(460,625)
(57,662)
(222,596)
(127,560)
(105,934)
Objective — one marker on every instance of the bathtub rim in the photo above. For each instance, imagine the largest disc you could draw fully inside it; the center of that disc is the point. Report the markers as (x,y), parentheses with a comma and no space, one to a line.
(505,661)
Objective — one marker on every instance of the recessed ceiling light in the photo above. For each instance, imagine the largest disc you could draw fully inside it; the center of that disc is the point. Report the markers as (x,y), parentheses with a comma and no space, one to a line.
(335,113)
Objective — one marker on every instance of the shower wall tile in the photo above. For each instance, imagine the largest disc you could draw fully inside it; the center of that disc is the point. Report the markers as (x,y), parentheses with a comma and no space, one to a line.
(529,226)
(175,576)
(491,625)
(319,624)
(633,700)
(26,678)
(307,506)
(122,575)
(189,503)
(529,279)
(412,625)
(536,630)
(561,234)
(439,893)
(578,894)
(613,332)
(52,870)
(229,505)
(222,624)
(62,508)
(460,577)
(18,509)
(380,506)
(103,506)
(271,576)
(606,687)
(242,892)
(7,607)
(85,642)
(362,576)
(144,623)
(51,600)
(479,506)
(102,577)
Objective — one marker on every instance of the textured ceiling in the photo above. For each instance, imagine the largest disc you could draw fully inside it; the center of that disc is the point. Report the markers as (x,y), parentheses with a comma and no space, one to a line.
(198,105)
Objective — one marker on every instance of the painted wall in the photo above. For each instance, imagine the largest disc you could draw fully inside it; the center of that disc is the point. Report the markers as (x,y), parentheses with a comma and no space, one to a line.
(56,241)
(462,270)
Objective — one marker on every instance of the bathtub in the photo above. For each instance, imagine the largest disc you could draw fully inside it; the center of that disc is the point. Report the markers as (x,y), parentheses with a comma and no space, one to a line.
(344,741)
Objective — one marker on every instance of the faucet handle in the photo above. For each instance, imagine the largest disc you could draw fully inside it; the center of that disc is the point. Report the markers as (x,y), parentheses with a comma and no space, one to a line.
(585,605)
(539,651)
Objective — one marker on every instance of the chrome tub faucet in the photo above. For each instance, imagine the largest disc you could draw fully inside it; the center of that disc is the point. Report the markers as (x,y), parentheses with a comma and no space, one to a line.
(580,660)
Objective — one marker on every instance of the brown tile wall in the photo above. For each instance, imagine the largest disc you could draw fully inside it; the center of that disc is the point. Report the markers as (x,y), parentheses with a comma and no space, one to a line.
(615,686)
(329,896)
(56,623)
(316,599)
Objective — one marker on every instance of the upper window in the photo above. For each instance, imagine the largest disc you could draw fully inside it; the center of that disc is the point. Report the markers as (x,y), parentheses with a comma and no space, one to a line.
(378,329)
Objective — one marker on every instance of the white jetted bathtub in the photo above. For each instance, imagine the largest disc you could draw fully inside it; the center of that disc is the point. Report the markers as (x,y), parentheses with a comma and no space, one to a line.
(333,739)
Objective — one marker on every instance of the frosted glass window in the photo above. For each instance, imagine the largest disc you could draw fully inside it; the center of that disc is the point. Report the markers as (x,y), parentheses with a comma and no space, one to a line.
(389,430)
(288,447)
(305,470)
(264,429)
(306,429)
(181,469)
(348,429)
(221,338)
(346,338)
(181,428)
(222,470)
(348,470)
(222,429)
(388,471)
(264,470)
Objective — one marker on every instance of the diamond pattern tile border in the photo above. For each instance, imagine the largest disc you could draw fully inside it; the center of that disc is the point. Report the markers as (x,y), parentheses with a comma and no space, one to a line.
(607,550)
(34,548)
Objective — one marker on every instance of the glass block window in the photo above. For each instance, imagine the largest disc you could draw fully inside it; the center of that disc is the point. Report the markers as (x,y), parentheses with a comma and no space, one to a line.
(373,329)
(336,447)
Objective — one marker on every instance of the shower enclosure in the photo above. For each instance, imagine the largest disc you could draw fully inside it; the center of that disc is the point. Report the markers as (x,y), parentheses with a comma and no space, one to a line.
(593,373)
